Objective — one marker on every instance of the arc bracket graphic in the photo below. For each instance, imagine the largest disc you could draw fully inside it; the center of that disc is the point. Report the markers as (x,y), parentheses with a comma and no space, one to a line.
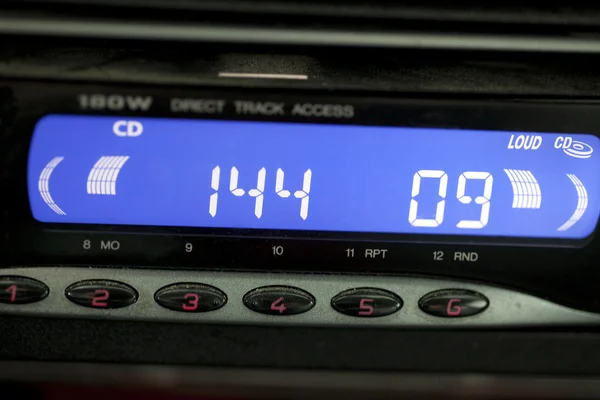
(582,204)
(44,185)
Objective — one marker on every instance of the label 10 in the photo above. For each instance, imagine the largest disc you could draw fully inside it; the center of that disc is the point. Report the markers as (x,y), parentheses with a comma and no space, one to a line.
(483,200)
(258,192)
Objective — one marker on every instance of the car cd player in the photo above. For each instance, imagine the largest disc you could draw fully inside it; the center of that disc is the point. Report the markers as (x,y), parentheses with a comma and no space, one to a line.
(261,206)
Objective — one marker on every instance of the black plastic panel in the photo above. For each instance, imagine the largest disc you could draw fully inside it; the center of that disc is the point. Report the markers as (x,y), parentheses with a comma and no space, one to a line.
(267,347)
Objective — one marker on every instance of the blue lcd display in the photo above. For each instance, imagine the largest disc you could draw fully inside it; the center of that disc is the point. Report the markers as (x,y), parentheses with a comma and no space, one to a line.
(295,176)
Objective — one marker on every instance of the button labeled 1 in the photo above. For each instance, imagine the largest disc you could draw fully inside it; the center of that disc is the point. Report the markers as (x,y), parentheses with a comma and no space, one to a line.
(21,290)
(453,303)
(279,300)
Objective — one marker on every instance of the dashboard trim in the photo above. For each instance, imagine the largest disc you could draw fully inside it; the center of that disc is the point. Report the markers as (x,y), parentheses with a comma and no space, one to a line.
(507,308)
(89,28)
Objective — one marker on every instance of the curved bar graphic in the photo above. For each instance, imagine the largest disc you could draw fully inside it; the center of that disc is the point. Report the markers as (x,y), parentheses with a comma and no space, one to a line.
(44,185)
(582,204)
(526,190)
(102,178)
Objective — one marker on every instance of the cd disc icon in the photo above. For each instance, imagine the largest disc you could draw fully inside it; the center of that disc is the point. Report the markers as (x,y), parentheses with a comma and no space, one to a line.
(579,149)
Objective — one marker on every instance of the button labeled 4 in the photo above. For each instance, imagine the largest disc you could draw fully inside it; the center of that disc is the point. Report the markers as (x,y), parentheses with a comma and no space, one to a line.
(278,305)
(279,300)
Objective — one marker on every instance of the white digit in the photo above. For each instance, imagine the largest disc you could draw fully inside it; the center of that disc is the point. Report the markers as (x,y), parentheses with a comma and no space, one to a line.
(189,247)
(214,184)
(484,200)
(233,183)
(414,204)
(279,185)
(258,192)
(87,244)
(303,194)
(299,194)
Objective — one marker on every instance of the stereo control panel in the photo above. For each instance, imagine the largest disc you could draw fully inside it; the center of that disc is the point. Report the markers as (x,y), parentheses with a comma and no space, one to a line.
(272,298)
(326,215)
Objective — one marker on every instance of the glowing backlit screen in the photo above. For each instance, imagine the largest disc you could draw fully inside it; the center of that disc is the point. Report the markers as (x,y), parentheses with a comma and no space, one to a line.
(293,176)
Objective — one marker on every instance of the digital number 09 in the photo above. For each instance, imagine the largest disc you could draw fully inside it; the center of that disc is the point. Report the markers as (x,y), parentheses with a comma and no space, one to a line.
(483,200)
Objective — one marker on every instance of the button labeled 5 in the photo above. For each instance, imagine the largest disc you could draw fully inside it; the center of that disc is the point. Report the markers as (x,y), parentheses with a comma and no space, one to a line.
(365,307)
(366,302)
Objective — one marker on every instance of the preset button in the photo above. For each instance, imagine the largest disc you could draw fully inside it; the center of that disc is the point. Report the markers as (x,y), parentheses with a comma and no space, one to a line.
(190,297)
(102,294)
(21,290)
(366,302)
(279,300)
(453,303)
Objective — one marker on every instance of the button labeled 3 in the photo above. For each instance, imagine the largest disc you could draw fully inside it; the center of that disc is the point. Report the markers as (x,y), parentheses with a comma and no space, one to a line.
(190,297)
(453,303)
(279,300)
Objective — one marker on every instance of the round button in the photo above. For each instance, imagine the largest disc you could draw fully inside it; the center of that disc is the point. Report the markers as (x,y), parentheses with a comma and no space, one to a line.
(279,300)
(21,290)
(453,303)
(366,302)
(190,297)
(102,294)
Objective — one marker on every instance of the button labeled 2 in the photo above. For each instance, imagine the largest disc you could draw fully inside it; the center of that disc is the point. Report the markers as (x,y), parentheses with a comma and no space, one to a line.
(190,297)
(101,294)
(453,303)
(366,302)
(21,290)
(279,300)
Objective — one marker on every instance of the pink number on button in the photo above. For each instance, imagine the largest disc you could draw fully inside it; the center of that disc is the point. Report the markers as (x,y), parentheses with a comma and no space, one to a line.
(192,304)
(278,305)
(368,309)
(453,310)
(99,299)
(12,289)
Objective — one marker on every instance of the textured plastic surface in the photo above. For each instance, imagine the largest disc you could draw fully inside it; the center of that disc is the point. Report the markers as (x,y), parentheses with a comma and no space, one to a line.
(278,347)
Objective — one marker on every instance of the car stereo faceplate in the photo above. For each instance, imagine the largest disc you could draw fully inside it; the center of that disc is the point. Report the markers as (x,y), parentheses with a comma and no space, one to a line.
(365,190)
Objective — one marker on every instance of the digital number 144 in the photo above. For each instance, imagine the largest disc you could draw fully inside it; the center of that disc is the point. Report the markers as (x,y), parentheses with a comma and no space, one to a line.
(258,191)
